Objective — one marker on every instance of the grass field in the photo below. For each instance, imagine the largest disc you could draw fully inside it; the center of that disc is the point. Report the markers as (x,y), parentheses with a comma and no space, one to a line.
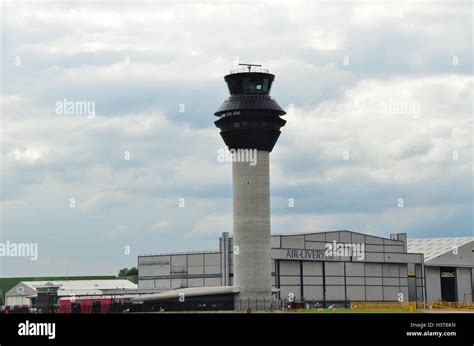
(356,311)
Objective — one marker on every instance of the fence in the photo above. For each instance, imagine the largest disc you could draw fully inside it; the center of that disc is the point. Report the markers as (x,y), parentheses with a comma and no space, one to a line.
(250,305)
(397,306)
(412,306)
(446,306)
(243,305)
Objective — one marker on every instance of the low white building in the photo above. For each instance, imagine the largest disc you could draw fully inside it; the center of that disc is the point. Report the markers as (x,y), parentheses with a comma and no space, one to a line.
(25,292)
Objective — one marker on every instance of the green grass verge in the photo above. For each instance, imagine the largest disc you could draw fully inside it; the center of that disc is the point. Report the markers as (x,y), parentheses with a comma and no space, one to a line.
(356,311)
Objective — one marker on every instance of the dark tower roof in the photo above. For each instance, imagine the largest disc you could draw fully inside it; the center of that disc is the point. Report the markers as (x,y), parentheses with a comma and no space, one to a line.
(249,102)
(249,117)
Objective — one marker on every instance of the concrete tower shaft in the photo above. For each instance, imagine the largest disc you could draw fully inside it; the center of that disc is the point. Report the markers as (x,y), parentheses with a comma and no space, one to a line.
(251,207)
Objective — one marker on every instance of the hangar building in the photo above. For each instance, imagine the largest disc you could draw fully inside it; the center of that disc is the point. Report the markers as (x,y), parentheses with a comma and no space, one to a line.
(302,268)
(449,267)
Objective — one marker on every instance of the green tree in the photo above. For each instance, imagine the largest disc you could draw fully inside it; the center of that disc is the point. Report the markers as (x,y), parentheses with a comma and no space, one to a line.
(128,272)
(133,271)
(123,272)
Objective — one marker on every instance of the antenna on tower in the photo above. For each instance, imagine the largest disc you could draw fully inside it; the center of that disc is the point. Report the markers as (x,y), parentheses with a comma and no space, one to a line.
(249,66)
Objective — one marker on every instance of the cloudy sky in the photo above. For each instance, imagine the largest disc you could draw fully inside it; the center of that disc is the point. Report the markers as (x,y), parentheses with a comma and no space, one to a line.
(378,137)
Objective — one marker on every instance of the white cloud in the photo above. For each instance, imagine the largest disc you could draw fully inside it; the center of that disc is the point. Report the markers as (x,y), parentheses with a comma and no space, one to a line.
(386,147)
(213,224)
(120,231)
(417,222)
(160,227)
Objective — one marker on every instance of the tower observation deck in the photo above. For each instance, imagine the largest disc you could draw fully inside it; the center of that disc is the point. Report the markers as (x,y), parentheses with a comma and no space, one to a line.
(250,119)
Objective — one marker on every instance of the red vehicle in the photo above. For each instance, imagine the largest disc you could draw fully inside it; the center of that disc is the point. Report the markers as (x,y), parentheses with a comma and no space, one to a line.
(295,305)
(84,305)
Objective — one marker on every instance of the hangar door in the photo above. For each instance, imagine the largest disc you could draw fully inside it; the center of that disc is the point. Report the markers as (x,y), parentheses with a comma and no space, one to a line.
(448,284)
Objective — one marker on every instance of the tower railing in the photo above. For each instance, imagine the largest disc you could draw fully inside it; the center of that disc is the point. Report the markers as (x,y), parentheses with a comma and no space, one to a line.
(247,70)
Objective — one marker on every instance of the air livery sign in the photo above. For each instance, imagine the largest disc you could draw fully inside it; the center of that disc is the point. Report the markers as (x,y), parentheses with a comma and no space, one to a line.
(332,251)
(297,254)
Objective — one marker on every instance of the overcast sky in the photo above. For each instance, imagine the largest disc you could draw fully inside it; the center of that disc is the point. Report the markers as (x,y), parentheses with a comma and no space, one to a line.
(378,95)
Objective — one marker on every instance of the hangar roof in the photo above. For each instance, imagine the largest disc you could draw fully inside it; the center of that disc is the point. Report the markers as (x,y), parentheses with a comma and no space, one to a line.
(188,292)
(326,232)
(434,247)
(78,286)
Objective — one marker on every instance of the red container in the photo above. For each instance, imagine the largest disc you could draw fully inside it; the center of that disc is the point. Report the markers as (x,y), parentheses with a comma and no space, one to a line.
(86,305)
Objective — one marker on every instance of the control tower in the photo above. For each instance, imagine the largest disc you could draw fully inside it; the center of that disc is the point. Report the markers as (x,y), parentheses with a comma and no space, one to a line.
(249,119)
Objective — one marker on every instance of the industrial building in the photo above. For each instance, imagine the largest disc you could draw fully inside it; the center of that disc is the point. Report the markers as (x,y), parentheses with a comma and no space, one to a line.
(449,267)
(47,295)
(302,269)
(394,269)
